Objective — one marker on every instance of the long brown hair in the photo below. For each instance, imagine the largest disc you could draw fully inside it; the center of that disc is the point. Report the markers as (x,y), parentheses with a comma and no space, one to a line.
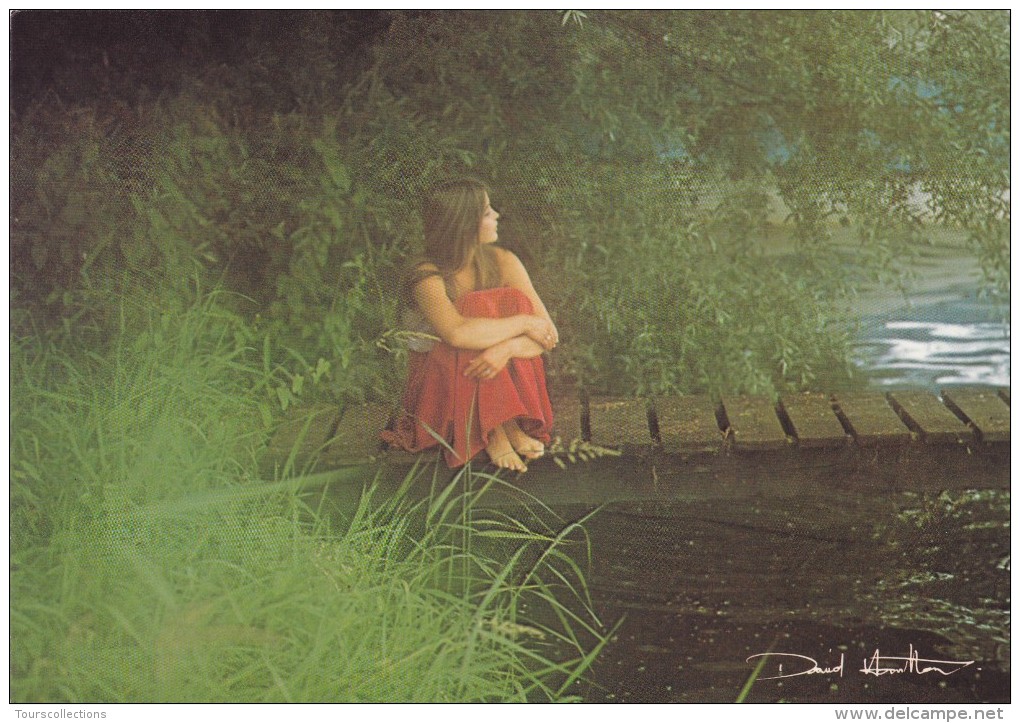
(452,213)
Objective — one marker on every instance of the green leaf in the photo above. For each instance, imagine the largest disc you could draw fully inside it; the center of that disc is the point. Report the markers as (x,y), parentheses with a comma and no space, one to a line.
(341,177)
(285,397)
(39,254)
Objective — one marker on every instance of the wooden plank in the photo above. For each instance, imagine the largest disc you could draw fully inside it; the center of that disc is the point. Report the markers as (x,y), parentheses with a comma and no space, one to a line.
(688,424)
(935,423)
(986,412)
(871,418)
(759,480)
(567,419)
(357,435)
(814,421)
(754,423)
(619,422)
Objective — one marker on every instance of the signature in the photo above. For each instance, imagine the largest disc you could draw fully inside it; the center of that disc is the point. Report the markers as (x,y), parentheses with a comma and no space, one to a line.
(879,664)
(791,665)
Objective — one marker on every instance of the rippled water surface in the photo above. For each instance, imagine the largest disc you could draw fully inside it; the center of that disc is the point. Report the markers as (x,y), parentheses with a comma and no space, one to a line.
(943,344)
(942,332)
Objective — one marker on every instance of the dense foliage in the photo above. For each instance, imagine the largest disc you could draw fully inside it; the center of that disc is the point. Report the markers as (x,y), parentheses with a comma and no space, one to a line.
(641,161)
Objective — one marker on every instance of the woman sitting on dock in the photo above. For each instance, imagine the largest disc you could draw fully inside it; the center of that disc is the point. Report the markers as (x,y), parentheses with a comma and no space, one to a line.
(483,385)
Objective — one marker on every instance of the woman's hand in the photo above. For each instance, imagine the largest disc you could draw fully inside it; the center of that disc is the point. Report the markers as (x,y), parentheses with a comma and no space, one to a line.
(490,362)
(543,332)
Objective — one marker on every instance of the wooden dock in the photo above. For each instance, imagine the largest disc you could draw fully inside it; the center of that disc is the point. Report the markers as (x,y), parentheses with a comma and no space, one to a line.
(725,522)
(735,447)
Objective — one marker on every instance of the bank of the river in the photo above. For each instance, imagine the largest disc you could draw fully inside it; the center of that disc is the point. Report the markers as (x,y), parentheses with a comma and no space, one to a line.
(148,561)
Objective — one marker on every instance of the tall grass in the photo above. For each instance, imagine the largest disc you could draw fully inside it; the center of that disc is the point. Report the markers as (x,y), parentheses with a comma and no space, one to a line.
(148,562)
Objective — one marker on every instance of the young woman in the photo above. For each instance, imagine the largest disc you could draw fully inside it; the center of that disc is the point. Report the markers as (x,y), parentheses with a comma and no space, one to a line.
(483,385)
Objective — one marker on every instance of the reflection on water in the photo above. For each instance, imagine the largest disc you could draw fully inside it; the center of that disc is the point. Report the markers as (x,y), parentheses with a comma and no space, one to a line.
(958,340)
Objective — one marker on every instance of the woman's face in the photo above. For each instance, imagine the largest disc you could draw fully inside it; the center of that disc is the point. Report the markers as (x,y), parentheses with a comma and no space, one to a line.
(487,228)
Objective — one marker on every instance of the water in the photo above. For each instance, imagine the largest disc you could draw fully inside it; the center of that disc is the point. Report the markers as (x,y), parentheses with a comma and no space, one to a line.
(696,602)
(944,332)
(930,346)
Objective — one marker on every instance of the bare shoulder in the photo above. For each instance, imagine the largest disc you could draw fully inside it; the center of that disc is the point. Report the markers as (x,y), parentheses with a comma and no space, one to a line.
(426,283)
(425,267)
(422,272)
(510,265)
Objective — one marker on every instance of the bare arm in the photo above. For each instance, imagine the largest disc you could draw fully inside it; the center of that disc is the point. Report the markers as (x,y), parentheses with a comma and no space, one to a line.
(464,332)
(524,347)
(492,361)
(516,275)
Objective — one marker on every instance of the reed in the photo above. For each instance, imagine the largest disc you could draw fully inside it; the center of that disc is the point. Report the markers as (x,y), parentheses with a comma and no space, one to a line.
(149,562)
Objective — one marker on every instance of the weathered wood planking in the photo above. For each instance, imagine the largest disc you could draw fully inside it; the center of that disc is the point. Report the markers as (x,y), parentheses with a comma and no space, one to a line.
(985,410)
(688,424)
(619,422)
(567,413)
(871,419)
(814,421)
(689,431)
(932,420)
(754,424)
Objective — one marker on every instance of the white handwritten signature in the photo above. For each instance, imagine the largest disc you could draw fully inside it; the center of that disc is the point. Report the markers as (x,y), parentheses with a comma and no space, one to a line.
(877,664)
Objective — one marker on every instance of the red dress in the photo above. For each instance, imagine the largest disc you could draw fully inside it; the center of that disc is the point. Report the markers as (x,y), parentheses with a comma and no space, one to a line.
(463,411)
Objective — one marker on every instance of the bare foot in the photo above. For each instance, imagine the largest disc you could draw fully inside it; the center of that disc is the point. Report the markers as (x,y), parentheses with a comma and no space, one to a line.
(502,453)
(525,446)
